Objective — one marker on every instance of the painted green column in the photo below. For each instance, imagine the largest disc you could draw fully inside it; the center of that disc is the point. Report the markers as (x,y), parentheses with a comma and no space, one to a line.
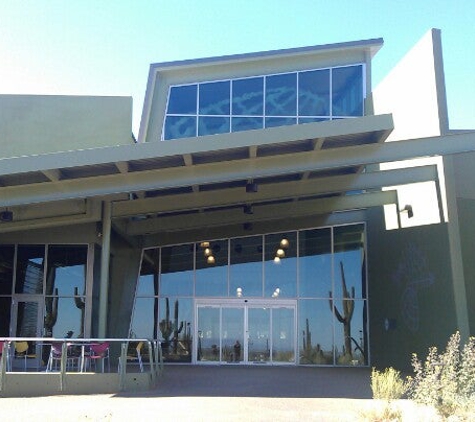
(105,260)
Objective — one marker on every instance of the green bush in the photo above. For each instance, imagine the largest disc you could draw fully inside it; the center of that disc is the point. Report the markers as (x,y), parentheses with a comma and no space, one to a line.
(446,380)
(387,385)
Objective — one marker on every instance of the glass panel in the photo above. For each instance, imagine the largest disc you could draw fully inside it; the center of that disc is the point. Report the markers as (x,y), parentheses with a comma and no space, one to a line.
(182,100)
(5,315)
(212,268)
(213,125)
(246,267)
(30,269)
(246,123)
(258,334)
(64,317)
(67,266)
(315,332)
(177,270)
(149,273)
(280,265)
(347,91)
(350,280)
(27,319)
(315,263)
(145,318)
(314,93)
(248,97)
(283,335)
(280,121)
(232,334)
(281,95)
(214,98)
(177,127)
(175,329)
(208,334)
(303,120)
(350,338)
(7,253)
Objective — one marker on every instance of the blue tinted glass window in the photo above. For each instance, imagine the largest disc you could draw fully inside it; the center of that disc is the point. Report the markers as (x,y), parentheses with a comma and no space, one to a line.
(347,90)
(213,125)
(312,119)
(280,121)
(248,97)
(214,98)
(314,93)
(246,123)
(281,95)
(180,127)
(182,100)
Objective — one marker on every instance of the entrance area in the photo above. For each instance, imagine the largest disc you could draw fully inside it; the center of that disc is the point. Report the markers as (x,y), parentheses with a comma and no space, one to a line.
(245,331)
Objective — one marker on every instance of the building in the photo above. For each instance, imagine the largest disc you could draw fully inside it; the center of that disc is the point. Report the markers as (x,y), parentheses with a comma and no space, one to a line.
(275,209)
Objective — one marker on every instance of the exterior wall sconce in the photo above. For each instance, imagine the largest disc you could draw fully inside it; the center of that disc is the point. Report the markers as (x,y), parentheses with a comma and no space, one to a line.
(408,209)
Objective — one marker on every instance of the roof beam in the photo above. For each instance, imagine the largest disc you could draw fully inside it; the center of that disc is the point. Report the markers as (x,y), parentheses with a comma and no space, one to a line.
(235,196)
(263,213)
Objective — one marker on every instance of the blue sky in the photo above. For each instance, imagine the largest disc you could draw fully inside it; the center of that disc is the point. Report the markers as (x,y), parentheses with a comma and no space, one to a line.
(105,47)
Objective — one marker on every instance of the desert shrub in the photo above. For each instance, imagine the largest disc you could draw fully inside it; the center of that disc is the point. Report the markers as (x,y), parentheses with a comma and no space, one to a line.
(387,385)
(446,380)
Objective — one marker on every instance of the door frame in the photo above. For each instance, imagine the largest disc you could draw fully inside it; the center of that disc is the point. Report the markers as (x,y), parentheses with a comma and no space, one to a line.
(245,304)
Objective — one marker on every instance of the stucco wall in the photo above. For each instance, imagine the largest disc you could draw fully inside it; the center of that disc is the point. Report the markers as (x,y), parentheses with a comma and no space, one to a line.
(411,285)
(31,125)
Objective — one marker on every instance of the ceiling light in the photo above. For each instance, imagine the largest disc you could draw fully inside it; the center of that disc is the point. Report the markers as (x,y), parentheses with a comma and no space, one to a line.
(280,253)
(210,259)
(276,260)
(207,252)
(284,243)
(204,244)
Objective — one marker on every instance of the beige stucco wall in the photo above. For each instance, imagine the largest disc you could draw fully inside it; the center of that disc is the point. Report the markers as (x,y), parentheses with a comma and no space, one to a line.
(39,124)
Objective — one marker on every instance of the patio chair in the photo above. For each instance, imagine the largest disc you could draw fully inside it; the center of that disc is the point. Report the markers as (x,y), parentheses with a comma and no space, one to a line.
(56,353)
(136,357)
(22,352)
(97,351)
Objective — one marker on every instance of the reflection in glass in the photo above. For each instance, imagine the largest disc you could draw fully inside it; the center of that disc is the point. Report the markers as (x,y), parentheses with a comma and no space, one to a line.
(177,127)
(349,268)
(214,98)
(350,334)
(144,318)
(259,334)
(212,269)
(315,263)
(246,123)
(208,334)
(149,273)
(27,319)
(246,266)
(280,265)
(315,332)
(280,121)
(7,253)
(314,93)
(30,269)
(303,120)
(281,95)
(182,100)
(177,270)
(5,309)
(68,317)
(232,334)
(175,329)
(213,125)
(283,335)
(347,92)
(248,95)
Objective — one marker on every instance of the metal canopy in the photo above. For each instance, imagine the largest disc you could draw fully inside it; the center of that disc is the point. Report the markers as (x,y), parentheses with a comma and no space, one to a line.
(166,182)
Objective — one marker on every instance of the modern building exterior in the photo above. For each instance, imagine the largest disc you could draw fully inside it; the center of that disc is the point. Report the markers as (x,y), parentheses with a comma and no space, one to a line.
(275,209)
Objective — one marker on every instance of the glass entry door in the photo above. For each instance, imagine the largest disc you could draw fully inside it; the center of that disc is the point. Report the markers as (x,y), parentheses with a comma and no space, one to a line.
(27,321)
(250,332)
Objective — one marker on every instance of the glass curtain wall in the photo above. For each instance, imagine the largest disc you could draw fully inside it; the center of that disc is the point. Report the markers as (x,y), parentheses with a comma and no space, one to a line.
(322,269)
(258,102)
(53,276)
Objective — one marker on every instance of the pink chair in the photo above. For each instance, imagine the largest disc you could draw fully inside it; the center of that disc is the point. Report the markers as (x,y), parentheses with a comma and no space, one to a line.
(98,351)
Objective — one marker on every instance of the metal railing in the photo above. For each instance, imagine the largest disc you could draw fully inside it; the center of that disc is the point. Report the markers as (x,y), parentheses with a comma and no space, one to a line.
(148,356)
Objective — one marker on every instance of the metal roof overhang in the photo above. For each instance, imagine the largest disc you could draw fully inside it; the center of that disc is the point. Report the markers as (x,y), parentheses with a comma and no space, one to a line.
(316,167)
